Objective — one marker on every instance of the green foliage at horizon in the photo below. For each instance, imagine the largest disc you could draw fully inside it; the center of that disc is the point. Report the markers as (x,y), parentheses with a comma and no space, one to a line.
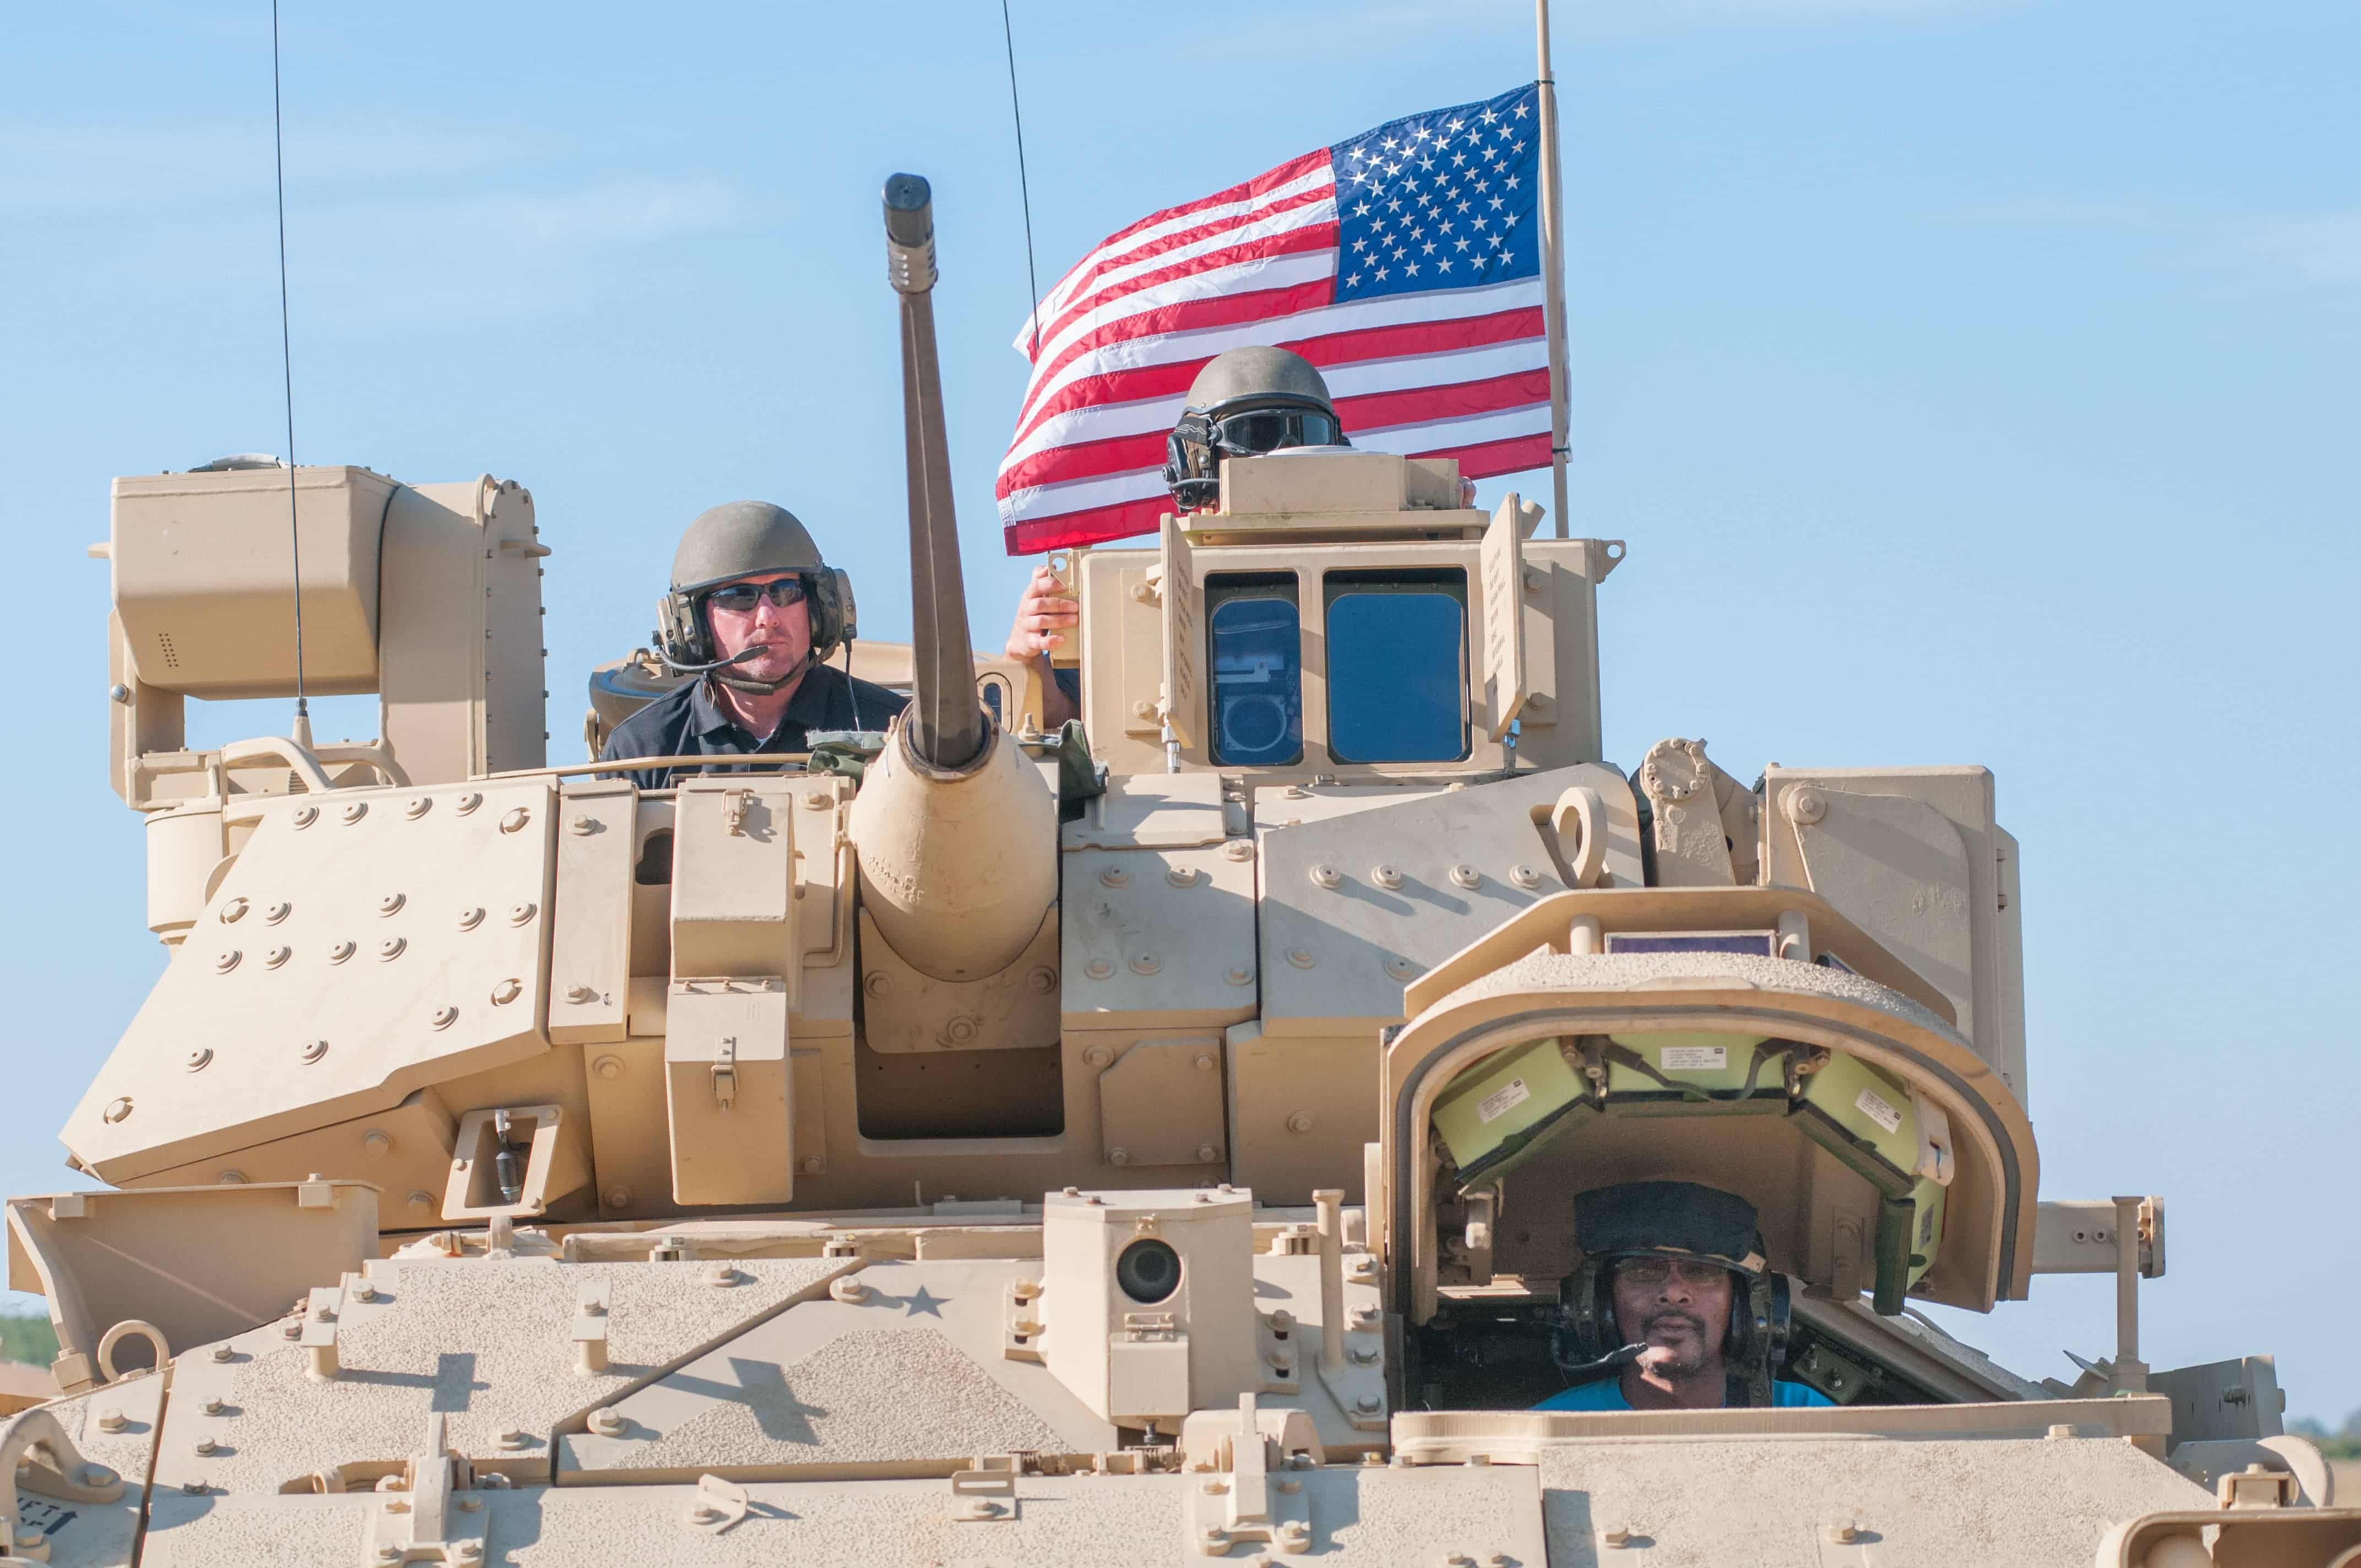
(27,1337)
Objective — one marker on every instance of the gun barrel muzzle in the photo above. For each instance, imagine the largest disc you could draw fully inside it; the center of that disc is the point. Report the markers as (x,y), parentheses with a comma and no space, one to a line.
(909,234)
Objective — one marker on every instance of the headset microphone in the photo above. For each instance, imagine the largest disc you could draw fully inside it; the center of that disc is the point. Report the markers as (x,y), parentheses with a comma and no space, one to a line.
(1592,1371)
(756,652)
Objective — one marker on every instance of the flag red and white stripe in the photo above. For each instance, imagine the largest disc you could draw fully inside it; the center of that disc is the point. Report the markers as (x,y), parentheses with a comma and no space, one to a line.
(1457,370)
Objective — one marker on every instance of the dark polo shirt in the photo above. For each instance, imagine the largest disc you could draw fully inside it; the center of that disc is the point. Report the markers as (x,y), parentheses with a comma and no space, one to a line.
(687,722)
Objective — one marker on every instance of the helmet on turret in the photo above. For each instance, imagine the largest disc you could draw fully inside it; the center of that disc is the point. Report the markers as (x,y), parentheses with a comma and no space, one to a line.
(1242,404)
(747,538)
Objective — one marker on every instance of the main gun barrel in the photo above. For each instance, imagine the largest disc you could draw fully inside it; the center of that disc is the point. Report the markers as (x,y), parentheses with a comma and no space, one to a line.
(946,728)
(955,832)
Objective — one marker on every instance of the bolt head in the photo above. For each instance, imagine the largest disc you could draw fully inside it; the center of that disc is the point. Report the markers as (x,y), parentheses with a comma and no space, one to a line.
(1805,806)
(607,1066)
(355,811)
(1238,849)
(1300,1122)
(507,991)
(1300,957)
(617,1197)
(1207,1153)
(223,1353)
(391,948)
(470,918)
(205,1445)
(1118,1156)
(812,1165)
(193,1488)
(514,822)
(213,1404)
(1367,1404)
(339,952)
(226,961)
(391,903)
(313,1050)
(306,815)
(363,1290)
(111,1421)
(1113,876)
(417,806)
(1467,877)
(1325,875)
(444,1017)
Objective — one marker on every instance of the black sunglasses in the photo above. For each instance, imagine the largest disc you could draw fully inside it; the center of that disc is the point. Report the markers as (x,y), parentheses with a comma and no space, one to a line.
(740,597)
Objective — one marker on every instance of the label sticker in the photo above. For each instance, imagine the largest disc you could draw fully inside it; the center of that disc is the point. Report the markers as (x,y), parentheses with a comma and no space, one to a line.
(1503,1100)
(1878,1111)
(1695,1058)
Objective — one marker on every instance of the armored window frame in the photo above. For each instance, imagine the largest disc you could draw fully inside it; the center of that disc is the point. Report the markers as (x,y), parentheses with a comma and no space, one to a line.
(1346,673)
(1221,590)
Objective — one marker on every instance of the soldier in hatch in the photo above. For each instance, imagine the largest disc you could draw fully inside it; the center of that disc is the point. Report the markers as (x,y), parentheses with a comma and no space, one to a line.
(1673,1274)
(752,613)
(1243,403)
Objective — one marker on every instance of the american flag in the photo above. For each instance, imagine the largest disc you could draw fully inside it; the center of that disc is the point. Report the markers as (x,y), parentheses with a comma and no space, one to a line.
(1405,263)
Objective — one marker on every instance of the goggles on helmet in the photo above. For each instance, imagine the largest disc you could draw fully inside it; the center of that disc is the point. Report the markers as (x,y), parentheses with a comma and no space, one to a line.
(740,598)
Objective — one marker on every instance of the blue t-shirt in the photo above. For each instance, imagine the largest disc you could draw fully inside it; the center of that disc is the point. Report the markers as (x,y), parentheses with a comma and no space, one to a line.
(1607,1394)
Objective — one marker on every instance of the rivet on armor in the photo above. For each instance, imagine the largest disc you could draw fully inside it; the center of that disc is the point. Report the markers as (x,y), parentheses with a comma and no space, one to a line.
(507,991)
(230,1178)
(579,994)
(355,811)
(583,827)
(877,983)
(111,1421)
(278,912)
(522,914)
(222,1353)
(1238,849)
(961,1029)
(1113,876)
(1097,1056)
(277,956)
(1467,877)
(1300,1122)
(234,910)
(1203,1062)
(1805,806)
(1524,876)
(1238,974)
(1043,979)
(306,815)
(849,1290)
(616,1197)
(339,952)
(363,1290)
(391,903)
(118,1108)
(513,1439)
(1146,963)
(377,1141)
(444,1017)
(515,821)
(1301,957)
(721,1274)
(420,1199)
(1181,876)
(119,692)
(417,806)
(391,948)
(313,1050)
(468,802)
(812,1165)
(1118,1156)
(1207,1153)
(197,1060)
(1388,877)
(1323,876)
(608,1067)
(1401,968)
(470,918)
(226,962)
(816,799)
(1099,969)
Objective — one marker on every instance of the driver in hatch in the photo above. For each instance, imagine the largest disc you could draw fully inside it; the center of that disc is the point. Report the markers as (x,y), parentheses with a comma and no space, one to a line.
(1673,1274)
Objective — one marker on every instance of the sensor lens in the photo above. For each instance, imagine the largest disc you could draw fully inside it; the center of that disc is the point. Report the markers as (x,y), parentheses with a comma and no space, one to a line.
(1149,1270)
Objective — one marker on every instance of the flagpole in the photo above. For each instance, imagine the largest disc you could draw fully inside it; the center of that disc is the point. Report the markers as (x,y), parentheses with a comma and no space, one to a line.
(1553,269)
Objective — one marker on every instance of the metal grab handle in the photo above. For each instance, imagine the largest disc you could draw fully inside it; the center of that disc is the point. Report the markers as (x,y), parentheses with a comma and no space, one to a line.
(298,757)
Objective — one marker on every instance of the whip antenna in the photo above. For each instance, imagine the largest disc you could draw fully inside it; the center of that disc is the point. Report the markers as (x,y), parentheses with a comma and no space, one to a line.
(1023,191)
(287,374)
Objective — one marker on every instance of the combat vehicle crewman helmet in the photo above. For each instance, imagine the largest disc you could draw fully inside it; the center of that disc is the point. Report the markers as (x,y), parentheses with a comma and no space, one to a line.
(1243,403)
(739,539)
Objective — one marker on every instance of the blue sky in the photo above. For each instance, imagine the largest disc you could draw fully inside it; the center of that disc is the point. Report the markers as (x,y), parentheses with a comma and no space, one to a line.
(1973,382)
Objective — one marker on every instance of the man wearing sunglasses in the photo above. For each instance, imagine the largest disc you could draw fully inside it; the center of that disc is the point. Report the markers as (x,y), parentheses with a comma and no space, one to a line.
(752,615)
(1668,1262)
(1243,403)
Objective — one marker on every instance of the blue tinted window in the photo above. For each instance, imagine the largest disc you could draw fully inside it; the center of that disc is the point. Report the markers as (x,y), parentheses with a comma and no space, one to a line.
(1258,687)
(1396,671)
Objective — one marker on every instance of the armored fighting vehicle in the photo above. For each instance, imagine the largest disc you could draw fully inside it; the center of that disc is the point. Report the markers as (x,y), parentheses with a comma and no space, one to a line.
(1151,1141)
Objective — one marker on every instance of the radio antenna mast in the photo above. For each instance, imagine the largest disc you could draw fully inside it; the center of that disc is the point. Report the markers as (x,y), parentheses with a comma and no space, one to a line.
(303,735)
(1023,191)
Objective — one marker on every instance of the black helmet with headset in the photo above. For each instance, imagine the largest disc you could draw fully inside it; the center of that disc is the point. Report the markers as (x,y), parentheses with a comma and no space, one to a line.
(1671,1220)
(746,539)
